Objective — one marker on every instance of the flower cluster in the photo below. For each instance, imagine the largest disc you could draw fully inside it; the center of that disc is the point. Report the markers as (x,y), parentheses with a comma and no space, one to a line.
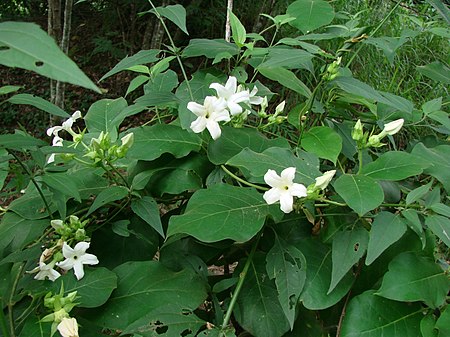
(283,188)
(223,107)
(363,139)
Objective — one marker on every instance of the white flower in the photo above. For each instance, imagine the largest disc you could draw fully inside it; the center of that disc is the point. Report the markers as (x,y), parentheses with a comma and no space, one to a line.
(68,327)
(67,125)
(393,127)
(127,140)
(45,271)
(279,108)
(283,188)
(323,181)
(57,141)
(253,99)
(77,257)
(209,114)
(231,95)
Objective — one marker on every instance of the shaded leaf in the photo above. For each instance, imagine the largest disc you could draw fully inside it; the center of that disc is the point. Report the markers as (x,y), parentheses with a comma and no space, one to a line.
(310,14)
(286,78)
(176,14)
(322,141)
(413,222)
(209,48)
(147,209)
(39,103)
(436,71)
(440,226)
(437,157)
(108,195)
(418,193)
(101,116)
(62,183)
(19,141)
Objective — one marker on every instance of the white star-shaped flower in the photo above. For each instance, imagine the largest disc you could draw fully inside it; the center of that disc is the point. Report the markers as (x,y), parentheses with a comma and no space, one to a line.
(231,95)
(209,115)
(68,327)
(76,258)
(283,189)
(66,125)
(46,271)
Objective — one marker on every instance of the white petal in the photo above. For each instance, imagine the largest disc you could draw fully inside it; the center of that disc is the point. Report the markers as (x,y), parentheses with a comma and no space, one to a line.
(240,97)
(196,108)
(68,124)
(67,251)
(51,158)
(78,270)
(298,190)
(235,109)
(76,115)
(67,264)
(231,84)
(286,202)
(272,196)
(222,92)
(220,116)
(273,179)
(288,174)
(81,247)
(199,124)
(90,259)
(53,130)
(68,327)
(214,129)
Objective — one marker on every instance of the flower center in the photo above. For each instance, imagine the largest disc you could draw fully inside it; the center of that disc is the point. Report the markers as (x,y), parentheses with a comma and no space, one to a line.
(286,187)
(75,257)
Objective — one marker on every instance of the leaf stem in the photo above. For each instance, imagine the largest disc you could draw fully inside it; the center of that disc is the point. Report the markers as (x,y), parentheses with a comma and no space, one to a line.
(241,280)
(242,180)
(38,188)
(174,48)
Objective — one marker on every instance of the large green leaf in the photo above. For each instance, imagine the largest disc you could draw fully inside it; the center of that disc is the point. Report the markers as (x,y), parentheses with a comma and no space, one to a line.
(209,48)
(310,14)
(368,315)
(142,57)
(387,229)
(413,222)
(443,323)
(361,193)
(257,309)
(19,141)
(62,183)
(436,71)
(237,30)
(147,209)
(348,247)
(101,116)
(176,14)
(394,165)
(287,265)
(39,103)
(234,140)
(94,288)
(223,212)
(26,45)
(315,294)
(149,297)
(437,157)
(110,194)
(290,58)
(440,226)
(442,9)
(418,193)
(415,278)
(277,159)
(322,141)
(286,78)
(150,142)
(31,206)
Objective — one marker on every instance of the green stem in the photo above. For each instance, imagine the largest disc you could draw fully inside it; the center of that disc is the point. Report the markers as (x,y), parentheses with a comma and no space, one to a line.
(10,300)
(38,188)
(331,202)
(3,324)
(119,174)
(108,172)
(360,160)
(174,49)
(374,32)
(242,180)
(241,280)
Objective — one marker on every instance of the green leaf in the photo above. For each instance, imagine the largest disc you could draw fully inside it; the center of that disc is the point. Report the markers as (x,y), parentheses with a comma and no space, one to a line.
(415,278)
(436,71)
(101,116)
(209,48)
(348,248)
(162,82)
(238,30)
(108,195)
(26,45)
(31,206)
(441,8)
(150,142)
(437,157)
(142,57)
(39,103)
(361,193)
(150,297)
(277,159)
(441,209)
(394,165)
(322,141)
(318,277)
(7,89)
(19,141)
(290,58)
(257,310)
(157,99)
(368,315)
(234,140)
(147,209)
(427,326)
(174,13)
(94,288)
(443,323)
(222,212)
(413,222)
(62,183)
(286,78)
(310,14)
(387,229)
(136,83)
(287,265)
(418,193)
(440,226)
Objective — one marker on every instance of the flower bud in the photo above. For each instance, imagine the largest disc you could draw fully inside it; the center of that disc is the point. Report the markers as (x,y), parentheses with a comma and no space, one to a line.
(374,141)
(57,224)
(323,181)
(393,127)
(280,107)
(357,132)
(127,140)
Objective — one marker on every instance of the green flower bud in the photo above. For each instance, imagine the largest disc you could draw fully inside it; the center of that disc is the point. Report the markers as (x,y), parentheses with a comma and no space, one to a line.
(357,132)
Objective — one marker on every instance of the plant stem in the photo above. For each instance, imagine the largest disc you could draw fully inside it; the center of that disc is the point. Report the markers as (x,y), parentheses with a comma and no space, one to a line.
(10,306)
(242,180)
(360,160)
(242,276)
(119,174)
(174,49)
(38,188)
(331,202)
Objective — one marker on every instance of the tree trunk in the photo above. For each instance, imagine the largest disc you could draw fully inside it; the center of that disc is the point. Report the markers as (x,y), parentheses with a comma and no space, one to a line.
(227,22)
(54,30)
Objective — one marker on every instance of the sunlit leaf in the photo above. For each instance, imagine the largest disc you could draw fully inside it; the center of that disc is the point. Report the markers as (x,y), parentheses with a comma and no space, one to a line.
(176,14)
(209,48)
(237,30)
(287,78)
(322,141)
(437,157)
(310,14)
(440,226)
